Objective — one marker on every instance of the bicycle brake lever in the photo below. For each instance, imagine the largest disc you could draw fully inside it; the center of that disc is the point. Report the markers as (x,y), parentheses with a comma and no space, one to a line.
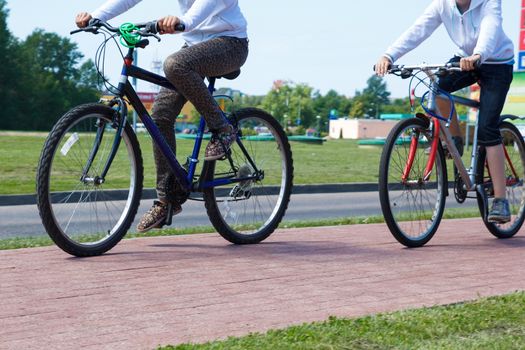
(405,73)
(150,29)
(145,33)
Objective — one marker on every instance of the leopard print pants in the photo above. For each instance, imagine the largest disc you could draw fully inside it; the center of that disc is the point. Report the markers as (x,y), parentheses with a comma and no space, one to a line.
(185,69)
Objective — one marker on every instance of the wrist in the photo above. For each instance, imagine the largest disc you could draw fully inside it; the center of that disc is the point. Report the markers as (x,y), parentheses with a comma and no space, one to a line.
(388,57)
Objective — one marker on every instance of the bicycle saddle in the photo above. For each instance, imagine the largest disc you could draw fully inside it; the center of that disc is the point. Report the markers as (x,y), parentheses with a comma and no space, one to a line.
(229,76)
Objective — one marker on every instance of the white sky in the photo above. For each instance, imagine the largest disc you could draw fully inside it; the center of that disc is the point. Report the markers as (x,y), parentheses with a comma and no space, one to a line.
(329,44)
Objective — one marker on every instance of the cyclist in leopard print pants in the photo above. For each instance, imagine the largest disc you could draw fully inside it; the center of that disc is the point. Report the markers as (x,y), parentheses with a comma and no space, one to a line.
(216,44)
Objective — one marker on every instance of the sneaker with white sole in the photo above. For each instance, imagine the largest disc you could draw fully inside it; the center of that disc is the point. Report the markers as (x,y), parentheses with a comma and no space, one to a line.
(499,212)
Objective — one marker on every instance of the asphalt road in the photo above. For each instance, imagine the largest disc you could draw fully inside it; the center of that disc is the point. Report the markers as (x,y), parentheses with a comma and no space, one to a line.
(19,221)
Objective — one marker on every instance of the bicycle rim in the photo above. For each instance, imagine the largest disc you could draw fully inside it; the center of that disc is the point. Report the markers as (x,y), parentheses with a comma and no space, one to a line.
(413,207)
(87,214)
(249,211)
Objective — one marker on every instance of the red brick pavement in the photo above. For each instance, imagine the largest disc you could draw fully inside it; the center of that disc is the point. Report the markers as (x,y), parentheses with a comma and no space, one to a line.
(168,290)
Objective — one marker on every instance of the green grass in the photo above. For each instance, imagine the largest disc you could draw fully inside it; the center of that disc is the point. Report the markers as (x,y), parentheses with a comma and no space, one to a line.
(338,161)
(18,162)
(43,241)
(488,323)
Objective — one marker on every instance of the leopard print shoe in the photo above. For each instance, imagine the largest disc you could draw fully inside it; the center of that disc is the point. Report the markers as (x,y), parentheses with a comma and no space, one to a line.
(220,143)
(156,216)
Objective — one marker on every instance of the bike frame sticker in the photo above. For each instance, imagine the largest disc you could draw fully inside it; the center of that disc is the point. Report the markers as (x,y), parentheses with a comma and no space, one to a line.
(69,143)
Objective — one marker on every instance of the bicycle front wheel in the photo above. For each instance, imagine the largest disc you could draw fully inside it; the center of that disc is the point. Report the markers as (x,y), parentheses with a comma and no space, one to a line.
(249,211)
(83,215)
(514,149)
(411,200)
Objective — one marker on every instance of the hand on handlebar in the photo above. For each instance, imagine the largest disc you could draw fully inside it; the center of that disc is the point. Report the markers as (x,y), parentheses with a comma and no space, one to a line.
(82,19)
(382,66)
(470,63)
(168,24)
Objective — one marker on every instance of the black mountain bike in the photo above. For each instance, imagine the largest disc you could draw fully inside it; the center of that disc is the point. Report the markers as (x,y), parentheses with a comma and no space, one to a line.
(90,174)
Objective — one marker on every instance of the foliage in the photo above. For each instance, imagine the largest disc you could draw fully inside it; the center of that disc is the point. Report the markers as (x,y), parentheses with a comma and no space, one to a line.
(371,100)
(9,66)
(41,77)
(300,105)
(290,103)
(397,106)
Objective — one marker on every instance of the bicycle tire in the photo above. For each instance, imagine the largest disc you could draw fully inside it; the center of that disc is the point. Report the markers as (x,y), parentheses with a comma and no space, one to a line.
(410,225)
(229,210)
(63,196)
(515,189)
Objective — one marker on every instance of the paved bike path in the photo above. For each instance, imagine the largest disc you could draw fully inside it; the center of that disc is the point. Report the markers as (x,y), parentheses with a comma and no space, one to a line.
(169,290)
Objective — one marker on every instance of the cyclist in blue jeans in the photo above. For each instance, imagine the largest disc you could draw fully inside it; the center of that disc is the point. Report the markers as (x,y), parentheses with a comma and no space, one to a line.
(215,44)
(475,26)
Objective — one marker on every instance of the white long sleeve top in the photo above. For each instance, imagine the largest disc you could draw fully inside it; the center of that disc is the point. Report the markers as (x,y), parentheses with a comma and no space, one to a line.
(476,31)
(204,19)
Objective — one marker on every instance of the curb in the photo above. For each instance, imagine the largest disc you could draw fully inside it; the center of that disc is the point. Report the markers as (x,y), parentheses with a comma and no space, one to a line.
(149,193)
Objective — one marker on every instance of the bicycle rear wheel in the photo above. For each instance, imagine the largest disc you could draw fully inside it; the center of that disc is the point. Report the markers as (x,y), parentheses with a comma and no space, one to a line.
(81,215)
(249,211)
(412,207)
(514,175)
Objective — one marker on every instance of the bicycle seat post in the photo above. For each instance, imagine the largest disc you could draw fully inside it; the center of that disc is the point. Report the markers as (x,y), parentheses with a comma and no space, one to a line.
(211,85)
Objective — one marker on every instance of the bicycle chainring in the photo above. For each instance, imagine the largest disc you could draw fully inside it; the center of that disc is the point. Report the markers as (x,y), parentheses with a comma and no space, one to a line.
(460,192)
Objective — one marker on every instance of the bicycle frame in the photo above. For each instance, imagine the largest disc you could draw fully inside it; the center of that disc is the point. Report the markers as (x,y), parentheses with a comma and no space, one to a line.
(185,177)
(441,132)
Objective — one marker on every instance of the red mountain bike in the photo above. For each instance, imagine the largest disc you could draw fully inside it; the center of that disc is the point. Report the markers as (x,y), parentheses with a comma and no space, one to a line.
(413,176)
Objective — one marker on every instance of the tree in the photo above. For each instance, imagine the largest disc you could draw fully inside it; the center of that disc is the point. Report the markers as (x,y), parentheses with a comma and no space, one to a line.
(277,101)
(291,103)
(332,100)
(398,106)
(301,105)
(373,97)
(358,109)
(51,81)
(8,70)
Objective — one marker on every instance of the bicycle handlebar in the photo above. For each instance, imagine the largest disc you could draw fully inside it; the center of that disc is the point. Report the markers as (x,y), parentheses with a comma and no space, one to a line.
(149,28)
(408,70)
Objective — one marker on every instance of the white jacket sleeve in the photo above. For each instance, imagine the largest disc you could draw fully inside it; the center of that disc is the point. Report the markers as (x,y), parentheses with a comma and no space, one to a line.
(417,33)
(491,22)
(113,8)
(198,13)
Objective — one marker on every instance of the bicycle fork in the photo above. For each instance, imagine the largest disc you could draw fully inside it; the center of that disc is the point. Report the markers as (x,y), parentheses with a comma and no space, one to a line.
(117,123)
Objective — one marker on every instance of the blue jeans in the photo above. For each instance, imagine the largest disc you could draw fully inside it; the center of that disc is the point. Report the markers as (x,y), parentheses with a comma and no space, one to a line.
(494,80)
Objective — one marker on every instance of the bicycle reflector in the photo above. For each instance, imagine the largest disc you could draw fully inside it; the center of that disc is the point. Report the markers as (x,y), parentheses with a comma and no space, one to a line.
(129,35)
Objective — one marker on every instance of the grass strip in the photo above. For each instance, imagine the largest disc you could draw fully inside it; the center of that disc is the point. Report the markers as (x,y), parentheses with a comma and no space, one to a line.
(487,323)
(43,241)
(346,161)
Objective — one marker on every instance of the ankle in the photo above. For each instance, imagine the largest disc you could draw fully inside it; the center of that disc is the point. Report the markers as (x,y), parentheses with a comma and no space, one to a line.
(163,201)
(225,129)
